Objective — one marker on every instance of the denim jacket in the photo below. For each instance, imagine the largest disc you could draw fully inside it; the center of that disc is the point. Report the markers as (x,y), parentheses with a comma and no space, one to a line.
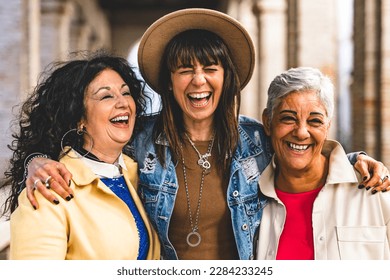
(158,186)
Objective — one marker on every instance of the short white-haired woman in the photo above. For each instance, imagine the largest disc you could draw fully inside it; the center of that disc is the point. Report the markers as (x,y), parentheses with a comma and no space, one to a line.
(314,211)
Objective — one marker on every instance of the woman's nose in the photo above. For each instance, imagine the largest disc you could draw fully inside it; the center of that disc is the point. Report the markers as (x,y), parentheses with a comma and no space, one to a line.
(301,131)
(121,101)
(199,78)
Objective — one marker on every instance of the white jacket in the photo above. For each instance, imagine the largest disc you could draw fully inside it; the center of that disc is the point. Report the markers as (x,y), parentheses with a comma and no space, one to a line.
(348,223)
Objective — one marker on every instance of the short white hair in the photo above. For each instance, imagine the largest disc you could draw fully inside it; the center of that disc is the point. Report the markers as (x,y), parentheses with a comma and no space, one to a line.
(297,80)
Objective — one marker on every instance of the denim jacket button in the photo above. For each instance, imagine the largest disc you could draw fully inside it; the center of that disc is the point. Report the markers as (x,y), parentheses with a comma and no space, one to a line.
(244,227)
(235,193)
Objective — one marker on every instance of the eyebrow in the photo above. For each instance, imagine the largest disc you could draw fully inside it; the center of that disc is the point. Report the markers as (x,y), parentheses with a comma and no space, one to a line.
(295,113)
(108,88)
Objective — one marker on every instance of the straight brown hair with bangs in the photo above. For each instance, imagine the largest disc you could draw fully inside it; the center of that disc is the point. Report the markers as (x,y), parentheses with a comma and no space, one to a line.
(209,49)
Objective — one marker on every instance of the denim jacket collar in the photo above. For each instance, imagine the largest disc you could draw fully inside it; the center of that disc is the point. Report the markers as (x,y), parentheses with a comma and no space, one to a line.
(249,149)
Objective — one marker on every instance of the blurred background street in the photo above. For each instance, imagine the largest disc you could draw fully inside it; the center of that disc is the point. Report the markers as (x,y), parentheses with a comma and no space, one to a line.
(349,40)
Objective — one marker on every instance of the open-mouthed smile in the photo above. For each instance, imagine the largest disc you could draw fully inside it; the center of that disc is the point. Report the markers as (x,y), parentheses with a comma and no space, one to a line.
(199,99)
(297,148)
(123,119)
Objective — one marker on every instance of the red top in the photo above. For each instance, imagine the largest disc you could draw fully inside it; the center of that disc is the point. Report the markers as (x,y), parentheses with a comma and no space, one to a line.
(296,240)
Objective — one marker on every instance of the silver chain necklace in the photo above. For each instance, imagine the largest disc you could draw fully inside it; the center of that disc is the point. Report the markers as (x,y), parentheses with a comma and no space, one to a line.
(203,159)
(194,227)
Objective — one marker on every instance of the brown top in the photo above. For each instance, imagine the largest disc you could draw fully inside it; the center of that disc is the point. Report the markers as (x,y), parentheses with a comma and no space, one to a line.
(214,223)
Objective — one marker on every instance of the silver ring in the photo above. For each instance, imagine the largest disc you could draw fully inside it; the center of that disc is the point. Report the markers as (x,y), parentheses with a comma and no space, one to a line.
(384,178)
(47,180)
(35,183)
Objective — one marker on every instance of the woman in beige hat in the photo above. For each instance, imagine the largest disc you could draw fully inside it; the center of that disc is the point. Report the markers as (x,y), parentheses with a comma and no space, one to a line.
(199,161)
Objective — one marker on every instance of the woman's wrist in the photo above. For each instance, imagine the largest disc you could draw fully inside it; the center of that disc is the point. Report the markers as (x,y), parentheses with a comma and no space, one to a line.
(28,161)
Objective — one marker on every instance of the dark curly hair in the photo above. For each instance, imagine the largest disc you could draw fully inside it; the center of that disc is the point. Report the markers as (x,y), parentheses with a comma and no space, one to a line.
(57,105)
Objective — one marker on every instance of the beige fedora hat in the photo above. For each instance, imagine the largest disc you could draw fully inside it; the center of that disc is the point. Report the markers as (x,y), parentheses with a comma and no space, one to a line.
(157,36)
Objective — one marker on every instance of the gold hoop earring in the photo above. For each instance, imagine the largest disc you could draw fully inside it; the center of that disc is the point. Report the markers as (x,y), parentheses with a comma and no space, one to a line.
(79,131)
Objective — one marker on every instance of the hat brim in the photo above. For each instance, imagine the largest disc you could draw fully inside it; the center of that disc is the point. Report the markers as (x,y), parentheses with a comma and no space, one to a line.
(158,35)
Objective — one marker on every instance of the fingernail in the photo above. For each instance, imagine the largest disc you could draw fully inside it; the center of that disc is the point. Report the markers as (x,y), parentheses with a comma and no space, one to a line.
(360,186)
(69,183)
(35,208)
(374,191)
(384,190)
(71,196)
(68,198)
(56,201)
(364,178)
(367,188)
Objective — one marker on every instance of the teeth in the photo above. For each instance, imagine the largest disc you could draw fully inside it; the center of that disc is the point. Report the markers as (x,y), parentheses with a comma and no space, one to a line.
(201,104)
(121,118)
(298,147)
(199,95)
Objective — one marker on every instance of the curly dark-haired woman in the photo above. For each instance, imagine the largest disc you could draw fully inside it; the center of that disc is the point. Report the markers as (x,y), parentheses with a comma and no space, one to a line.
(83,114)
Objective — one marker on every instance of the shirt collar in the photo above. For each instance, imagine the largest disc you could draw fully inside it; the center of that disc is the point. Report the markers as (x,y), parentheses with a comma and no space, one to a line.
(340,169)
(103,169)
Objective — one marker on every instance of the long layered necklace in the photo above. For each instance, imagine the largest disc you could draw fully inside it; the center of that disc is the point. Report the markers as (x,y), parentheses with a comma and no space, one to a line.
(204,163)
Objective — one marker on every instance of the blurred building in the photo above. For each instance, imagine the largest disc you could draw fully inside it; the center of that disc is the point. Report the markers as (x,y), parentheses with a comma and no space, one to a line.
(347,39)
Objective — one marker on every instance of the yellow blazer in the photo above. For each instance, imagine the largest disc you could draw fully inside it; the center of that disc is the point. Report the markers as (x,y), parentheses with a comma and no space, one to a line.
(95,224)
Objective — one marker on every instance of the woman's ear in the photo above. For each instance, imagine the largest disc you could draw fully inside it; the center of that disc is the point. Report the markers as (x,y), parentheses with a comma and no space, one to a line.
(80,126)
(266,122)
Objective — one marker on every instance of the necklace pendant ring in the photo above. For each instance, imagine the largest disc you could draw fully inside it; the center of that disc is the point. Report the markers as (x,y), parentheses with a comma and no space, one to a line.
(206,165)
(197,237)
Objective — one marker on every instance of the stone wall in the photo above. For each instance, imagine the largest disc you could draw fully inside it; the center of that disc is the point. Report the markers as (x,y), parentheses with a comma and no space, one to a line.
(385,83)
(13,67)
(371,76)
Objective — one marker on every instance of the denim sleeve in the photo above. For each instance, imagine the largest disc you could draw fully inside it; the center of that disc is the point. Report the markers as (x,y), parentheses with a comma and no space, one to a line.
(353,156)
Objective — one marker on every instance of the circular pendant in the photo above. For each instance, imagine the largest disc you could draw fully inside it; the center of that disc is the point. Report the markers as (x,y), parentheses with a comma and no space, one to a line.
(200,161)
(196,236)
(206,165)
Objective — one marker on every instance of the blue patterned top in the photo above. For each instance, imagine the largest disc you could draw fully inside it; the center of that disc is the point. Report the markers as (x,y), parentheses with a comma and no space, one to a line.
(119,187)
